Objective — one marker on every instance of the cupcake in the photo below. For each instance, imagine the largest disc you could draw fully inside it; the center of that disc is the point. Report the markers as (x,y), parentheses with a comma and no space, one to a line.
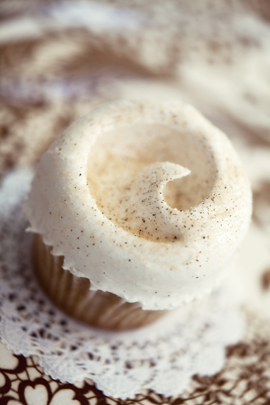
(137,208)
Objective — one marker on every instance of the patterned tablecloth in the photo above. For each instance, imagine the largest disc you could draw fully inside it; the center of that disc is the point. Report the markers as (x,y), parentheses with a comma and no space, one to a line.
(58,61)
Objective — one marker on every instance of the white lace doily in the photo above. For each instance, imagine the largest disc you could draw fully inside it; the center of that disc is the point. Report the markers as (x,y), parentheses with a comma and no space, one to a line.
(162,357)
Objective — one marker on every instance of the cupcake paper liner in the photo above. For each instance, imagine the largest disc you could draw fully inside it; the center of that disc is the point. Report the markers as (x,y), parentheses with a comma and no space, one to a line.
(73,295)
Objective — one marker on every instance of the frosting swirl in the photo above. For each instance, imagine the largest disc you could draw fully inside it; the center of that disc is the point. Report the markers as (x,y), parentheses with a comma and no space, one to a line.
(149,201)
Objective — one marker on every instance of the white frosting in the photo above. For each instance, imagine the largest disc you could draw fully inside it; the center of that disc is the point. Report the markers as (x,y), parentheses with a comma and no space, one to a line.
(100,198)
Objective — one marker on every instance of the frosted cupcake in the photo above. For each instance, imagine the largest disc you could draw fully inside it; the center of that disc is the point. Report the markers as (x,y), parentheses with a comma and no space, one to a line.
(137,208)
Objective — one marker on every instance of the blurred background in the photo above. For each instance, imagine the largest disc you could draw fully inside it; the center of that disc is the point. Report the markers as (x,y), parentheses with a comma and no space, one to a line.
(57,58)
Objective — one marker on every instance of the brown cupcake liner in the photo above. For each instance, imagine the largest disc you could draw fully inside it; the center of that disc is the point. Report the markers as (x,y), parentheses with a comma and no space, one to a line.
(73,296)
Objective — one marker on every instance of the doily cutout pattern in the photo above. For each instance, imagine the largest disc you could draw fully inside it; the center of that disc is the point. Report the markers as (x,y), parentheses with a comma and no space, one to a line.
(162,357)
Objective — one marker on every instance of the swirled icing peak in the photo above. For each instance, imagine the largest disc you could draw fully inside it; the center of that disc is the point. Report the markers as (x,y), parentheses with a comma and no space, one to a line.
(149,201)
(138,205)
